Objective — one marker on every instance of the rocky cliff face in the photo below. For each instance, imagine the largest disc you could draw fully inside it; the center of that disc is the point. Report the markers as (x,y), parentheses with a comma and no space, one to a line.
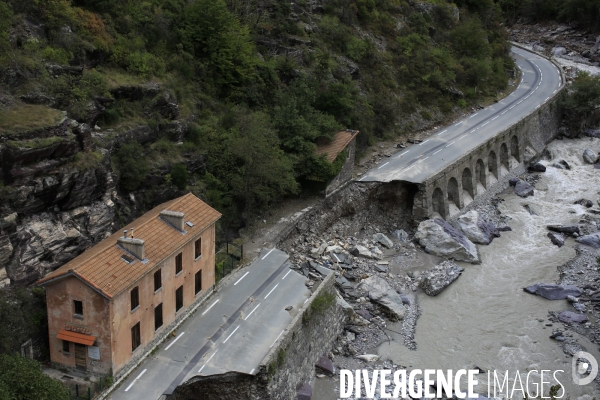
(54,205)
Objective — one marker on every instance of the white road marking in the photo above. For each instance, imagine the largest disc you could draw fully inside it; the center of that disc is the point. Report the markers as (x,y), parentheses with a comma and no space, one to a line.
(362,178)
(214,354)
(173,342)
(225,341)
(496,117)
(424,159)
(252,371)
(243,276)
(424,142)
(461,137)
(485,124)
(138,377)
(248,316)
(519,102)
(546,99)
(442,132)
(474,130)
(305,301)
(449,144)
(437,152)
(201,368)
(276,339)
(404,153)
(384,165)
(288,274)
(554,91)
(271,291)
(266,255)
(211,306)
(473,115)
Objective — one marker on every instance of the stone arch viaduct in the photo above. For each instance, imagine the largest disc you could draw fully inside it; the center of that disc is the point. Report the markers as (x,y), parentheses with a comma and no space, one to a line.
(485,170)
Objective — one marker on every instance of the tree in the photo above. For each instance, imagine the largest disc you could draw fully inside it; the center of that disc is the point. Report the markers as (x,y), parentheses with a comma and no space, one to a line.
(179,176)
(215,37)
(262,171)
(133,167)
(583,100)
(22,379)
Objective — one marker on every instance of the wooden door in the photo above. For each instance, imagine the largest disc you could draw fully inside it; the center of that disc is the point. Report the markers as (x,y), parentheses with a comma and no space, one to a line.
(80,357)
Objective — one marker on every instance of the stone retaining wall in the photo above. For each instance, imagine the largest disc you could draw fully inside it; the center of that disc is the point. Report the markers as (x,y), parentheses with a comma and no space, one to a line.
(289,363)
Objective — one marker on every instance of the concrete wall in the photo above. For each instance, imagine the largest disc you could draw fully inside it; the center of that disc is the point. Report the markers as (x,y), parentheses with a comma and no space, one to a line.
(346,173)
(287,365)
(124,318)
(468,179)
(59,300)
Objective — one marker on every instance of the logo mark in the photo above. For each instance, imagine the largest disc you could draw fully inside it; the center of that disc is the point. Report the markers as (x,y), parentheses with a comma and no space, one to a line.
(580,368)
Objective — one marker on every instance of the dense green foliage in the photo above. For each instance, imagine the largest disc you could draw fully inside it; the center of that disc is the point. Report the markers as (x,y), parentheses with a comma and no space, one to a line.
(22,379)
(582,103)
(584,12)
(179,176)
(23,316)
(258,82)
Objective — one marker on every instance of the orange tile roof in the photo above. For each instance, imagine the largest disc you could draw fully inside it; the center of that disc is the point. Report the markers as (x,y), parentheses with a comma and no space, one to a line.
(102,267)
(337,145)
(75,337)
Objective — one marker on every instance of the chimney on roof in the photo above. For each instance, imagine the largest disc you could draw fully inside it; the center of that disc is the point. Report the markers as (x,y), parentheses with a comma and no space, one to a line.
(134,246)
(174,218)
(132,233)
(125,233)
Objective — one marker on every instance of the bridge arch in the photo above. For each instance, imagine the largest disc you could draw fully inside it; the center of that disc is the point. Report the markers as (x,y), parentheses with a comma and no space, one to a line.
(437,202)
(493,164)
(504,157)
(514,148)
(453,195)
(467,182)
(480,176)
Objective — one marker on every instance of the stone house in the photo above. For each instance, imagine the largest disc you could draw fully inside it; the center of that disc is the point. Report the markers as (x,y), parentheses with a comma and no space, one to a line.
(114,302)
(342,140)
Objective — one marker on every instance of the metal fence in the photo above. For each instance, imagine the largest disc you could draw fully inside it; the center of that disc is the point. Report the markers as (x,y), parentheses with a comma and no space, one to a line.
(89,390)
(227,259)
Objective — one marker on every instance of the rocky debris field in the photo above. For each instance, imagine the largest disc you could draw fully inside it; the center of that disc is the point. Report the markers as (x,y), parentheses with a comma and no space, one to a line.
(574,49)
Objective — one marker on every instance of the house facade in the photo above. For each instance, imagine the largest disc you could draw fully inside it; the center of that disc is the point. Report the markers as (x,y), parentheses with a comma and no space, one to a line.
(118,299)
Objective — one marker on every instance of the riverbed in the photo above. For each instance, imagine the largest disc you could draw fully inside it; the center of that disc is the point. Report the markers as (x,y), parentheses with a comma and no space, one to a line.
(485,319)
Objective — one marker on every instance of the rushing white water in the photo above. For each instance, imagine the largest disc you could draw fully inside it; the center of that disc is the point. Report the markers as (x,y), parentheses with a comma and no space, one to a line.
(485,319)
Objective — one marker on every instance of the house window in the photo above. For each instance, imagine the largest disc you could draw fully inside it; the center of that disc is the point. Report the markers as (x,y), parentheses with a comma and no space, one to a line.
(66,347)
(135,298)
(135,337)
(179,298)
(198,248)
(178,263)
(198,282)
(157,280)
(78,307)
(158,320)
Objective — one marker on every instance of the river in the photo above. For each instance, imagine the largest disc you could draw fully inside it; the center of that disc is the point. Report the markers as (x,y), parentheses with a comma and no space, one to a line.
(485,319)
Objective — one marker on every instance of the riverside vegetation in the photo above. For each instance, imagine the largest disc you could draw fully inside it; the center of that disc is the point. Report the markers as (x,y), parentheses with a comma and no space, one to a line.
(228,99)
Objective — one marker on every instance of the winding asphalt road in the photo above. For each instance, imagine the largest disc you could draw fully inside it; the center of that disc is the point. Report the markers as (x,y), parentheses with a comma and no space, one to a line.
(540,80)
(233,331)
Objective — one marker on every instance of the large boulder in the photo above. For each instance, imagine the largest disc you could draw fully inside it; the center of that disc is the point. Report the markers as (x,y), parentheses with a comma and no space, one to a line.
(569,317)
(556,239)
(536,167)
(523,189)
(590,240)
(325,365)
(477,229)
(361,251)
(590,156)
(439,277)
(384,240)
(380,292)
(552,291)
(440,238)
(568,229)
